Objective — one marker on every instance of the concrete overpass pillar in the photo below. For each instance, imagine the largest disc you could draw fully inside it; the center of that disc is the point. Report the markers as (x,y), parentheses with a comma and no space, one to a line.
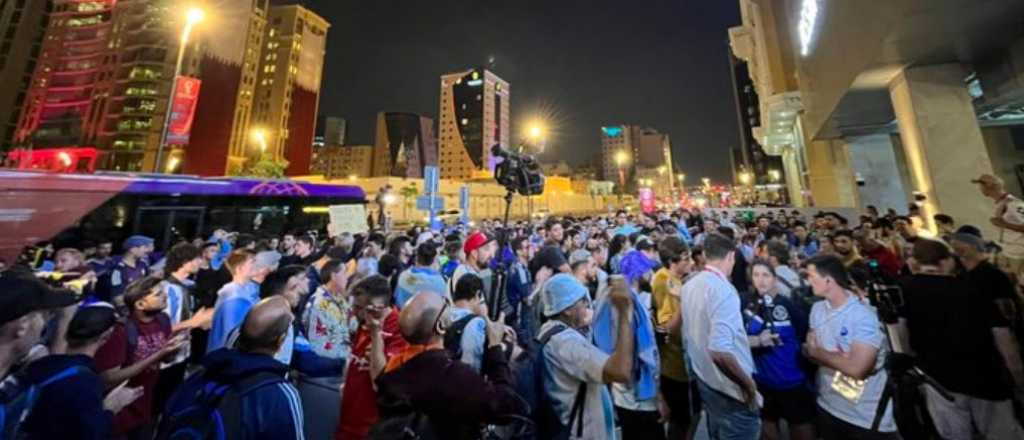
(874,159)
(942,142)
(830,174)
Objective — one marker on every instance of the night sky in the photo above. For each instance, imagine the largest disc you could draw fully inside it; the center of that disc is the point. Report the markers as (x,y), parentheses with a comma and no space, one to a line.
(583,64)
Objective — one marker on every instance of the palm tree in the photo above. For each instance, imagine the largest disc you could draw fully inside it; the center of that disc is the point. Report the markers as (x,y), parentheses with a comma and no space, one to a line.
(408,192)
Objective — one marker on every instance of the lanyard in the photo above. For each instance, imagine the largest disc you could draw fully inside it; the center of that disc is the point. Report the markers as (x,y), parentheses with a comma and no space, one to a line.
(717,274)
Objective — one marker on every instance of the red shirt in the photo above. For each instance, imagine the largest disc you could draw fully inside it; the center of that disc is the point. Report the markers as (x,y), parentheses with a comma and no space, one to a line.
(359,398)
(114,353)
(887,260)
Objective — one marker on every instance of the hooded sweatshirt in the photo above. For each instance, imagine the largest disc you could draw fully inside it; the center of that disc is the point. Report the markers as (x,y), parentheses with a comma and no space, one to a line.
(271,410)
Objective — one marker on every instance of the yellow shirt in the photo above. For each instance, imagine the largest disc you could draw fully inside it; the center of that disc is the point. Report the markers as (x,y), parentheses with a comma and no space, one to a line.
(667,289)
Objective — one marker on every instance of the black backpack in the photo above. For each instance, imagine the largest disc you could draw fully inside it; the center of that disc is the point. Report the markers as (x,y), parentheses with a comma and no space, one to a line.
(801,295)
(215,410)
(402,423)
(453,336)
(529,371)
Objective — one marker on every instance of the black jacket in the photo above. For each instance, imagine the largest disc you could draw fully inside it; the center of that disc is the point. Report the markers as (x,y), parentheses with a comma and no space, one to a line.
(70,408)
(461,403)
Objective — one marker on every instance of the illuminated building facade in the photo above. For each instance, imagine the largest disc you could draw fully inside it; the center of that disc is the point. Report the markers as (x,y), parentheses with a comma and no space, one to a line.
(347,161)
(474,116)
(927,98)
(103,78)
(404,144)
(22,28)
(73,77)
(288,89)
(627,148)
(220,138)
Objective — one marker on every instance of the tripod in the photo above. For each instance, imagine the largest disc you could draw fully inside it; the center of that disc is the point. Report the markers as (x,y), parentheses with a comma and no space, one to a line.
(904,377)
(499,284)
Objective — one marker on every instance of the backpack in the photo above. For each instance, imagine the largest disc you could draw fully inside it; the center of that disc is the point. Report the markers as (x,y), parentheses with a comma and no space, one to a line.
(16,407)
(453,336)
(801,295)
(214,412)
(529,370)
(131,332)
(402,423)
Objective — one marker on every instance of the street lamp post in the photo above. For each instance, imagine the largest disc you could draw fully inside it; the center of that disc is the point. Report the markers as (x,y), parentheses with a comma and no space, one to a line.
(192,17)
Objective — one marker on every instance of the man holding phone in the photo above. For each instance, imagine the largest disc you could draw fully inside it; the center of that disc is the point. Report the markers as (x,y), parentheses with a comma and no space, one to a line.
(377,339)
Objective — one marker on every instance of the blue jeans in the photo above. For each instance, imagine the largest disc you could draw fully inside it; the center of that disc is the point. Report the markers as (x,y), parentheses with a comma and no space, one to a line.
(728,418)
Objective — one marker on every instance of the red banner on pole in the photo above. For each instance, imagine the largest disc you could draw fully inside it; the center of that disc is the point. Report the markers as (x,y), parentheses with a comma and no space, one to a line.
(647,202)
(183,110)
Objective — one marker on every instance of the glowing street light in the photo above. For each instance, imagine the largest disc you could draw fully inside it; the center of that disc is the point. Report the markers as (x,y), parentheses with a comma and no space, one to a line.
(192,17)
(681,177)
(621,157)
(774,175)
(259,136)
(746,177)
(706,181)
(172,164)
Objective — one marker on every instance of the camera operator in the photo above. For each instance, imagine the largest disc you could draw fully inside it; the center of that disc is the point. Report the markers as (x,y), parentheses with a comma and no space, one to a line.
(961,340)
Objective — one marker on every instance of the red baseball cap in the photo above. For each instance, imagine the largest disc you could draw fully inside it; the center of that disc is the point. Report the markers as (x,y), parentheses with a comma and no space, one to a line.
(476,241)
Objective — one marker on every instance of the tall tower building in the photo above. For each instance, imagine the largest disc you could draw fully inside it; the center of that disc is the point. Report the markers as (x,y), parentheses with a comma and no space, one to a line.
(629,148)
(288,89)
(220,138)
(405,143)
(70,86)
(22,26)
(103,78)
(474,116)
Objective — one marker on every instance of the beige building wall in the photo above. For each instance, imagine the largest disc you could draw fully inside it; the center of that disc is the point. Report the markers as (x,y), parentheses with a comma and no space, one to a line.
(487,199)
(830,177)
(344,162)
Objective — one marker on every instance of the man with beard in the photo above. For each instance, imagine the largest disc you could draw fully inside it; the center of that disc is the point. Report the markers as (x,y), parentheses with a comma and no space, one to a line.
(584,270)
(842,244)
(134,351)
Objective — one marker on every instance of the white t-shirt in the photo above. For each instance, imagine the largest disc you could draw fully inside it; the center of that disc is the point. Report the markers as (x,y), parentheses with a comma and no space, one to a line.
(1011,210)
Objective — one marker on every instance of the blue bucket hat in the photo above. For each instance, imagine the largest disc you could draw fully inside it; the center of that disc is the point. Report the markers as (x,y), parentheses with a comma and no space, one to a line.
(561,292)
(137,241)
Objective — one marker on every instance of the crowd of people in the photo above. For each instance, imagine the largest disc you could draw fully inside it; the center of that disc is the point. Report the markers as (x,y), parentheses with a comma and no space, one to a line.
(645,326)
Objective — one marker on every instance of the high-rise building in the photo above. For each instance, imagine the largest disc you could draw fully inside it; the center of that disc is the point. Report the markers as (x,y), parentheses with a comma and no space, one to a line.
(288,89)
(344,161)
(627,148)
(404,144)
(474,116)
(103,78)
(22,27)
(330,130)
(72,79)
(221,141)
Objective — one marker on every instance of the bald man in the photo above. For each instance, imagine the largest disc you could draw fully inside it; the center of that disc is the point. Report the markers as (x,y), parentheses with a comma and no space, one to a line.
(267,405)
(464,401)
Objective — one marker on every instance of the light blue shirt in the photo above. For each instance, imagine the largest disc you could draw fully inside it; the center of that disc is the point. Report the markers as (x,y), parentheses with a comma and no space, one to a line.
(474,336)
(418,279)
(837,329)
(712,321)
(233,302)
(571,359)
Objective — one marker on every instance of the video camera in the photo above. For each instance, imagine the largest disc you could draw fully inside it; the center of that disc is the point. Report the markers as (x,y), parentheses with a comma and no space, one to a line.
(884,294)
(518,172)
